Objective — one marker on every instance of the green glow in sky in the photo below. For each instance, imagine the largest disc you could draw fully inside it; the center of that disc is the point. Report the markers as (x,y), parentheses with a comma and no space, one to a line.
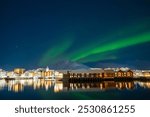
(99,57)
(115,45)
(54,52)
(100,47)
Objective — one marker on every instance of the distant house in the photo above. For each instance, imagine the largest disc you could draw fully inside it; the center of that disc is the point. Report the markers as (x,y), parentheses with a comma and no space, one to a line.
(49,73)
(84,74)
(124,74)
(108,74)
(129,73)
(119,74)
(58,74)
(146,74)
(19,71)
(137,73)
(29,74)
(3,74)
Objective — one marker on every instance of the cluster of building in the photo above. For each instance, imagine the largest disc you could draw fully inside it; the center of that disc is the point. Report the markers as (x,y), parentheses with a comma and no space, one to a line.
(108,73)
(91,73)
(37,73)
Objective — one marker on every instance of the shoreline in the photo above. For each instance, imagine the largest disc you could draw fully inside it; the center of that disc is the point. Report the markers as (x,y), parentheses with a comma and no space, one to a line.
(142,79)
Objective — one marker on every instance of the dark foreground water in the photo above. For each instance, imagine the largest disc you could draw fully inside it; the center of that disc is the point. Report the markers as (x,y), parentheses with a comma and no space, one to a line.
(57,90)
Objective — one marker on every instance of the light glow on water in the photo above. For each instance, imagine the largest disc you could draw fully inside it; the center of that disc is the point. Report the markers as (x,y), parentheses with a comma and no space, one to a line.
(48,89)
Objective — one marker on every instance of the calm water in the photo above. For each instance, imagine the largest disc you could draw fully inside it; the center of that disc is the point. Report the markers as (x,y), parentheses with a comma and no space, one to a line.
(47,89)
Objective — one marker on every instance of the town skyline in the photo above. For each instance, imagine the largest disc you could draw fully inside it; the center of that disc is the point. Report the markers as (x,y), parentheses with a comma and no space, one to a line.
(123,72)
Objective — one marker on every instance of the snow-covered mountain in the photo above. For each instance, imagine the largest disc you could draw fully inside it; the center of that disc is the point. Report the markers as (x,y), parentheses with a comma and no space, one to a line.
(66,64)
(106,65)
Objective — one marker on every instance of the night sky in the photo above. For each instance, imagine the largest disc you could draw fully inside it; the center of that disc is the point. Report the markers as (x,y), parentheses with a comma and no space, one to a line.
(37,33)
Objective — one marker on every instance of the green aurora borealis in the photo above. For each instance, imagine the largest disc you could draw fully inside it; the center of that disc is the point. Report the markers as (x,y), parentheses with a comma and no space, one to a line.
(53,53)
(122,43)
(40,33)
(98,50)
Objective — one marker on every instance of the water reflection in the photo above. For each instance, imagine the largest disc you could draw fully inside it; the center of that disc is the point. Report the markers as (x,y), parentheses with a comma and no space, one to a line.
(145,84)
(59,86)
(100,86)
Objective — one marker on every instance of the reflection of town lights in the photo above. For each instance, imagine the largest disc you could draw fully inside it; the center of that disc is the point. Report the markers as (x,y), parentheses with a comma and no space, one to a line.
(126,85)
(83,87)
(116,85)
(46,87)
(101,86)
(58,87)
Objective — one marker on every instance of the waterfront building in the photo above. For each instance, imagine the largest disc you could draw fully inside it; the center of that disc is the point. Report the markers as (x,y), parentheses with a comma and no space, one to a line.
(39,73)
(28,74)
(90,73)
(108,73)
(3,74)
(58,74)
(84,74)
(137,73)
(19,71)
(10,74)
(49,73)
(124,74)
(146,73)
(31,74)
(99,73)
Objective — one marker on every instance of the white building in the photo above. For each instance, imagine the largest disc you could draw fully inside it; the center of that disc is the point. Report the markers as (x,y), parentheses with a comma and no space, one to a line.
(3,74)
(137,73)
(58,74)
